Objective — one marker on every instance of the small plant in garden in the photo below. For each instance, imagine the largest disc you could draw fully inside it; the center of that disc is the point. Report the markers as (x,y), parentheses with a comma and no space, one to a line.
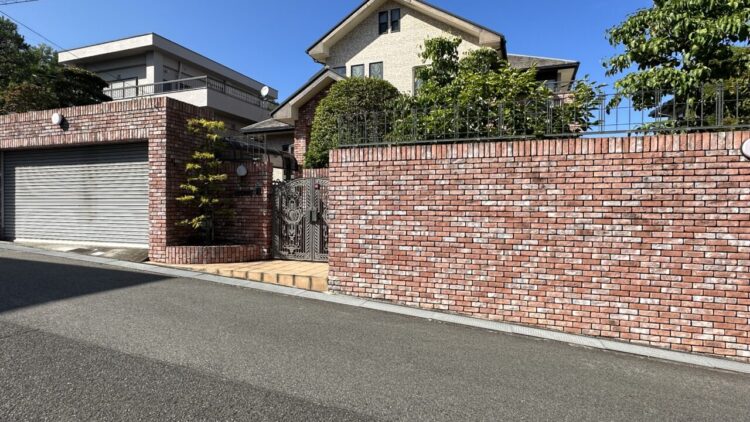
(205,185)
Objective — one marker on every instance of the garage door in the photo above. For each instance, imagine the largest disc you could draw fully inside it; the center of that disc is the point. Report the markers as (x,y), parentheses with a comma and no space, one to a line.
(83,194)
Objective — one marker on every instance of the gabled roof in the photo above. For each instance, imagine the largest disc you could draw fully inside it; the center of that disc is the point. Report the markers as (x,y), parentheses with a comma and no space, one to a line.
(287,111)
(487,37)
(268,126)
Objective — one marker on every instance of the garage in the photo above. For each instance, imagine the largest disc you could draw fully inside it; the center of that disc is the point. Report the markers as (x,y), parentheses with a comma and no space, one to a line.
(93,194)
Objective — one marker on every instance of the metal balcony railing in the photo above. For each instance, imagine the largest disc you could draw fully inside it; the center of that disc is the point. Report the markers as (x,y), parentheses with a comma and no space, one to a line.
(188,84)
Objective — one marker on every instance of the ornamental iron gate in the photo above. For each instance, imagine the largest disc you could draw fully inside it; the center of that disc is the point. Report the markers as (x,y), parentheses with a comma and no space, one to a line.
(300,220)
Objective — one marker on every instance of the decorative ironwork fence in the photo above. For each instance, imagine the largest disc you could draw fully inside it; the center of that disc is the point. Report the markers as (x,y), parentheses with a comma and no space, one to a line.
(564,111)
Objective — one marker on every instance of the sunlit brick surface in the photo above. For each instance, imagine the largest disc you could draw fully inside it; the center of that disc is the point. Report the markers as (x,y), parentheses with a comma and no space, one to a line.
(638,239)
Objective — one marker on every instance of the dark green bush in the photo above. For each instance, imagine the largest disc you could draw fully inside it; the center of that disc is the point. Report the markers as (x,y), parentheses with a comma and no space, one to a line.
(347,97)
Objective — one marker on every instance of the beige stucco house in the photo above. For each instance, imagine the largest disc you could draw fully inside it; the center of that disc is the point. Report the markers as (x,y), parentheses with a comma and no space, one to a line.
(383,39)
(152,66)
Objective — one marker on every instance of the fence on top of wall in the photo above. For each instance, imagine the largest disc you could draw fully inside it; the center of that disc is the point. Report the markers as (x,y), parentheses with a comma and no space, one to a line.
(555,111)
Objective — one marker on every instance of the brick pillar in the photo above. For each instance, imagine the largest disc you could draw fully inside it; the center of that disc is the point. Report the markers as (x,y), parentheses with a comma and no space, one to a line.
(303,126)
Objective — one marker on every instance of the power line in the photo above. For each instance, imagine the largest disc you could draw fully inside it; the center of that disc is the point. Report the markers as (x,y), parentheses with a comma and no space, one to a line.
(31,29)
(6,2)
(59,47)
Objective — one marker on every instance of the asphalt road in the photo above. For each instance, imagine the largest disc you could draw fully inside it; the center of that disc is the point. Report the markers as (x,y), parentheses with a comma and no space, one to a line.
(87,342)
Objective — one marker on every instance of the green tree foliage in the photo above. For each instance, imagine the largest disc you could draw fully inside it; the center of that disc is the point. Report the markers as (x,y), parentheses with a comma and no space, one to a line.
(204,190)
(480,95)
(680,46)
(32,79)
(346,97)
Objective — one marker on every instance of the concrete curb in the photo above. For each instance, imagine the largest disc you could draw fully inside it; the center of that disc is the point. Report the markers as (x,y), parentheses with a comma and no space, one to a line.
(603,344)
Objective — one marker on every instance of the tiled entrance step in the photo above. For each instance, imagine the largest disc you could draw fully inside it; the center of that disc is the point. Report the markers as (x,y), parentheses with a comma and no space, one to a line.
(303,275)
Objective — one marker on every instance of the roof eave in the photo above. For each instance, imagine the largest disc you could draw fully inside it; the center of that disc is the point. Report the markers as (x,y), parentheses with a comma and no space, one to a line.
(286,112)
(487,37)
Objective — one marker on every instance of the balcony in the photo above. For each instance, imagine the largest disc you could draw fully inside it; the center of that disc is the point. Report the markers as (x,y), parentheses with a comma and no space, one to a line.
(202,91)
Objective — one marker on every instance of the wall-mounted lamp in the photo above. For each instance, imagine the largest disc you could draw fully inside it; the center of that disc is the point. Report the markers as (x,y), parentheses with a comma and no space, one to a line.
(241,170)
(57,119)
(258,188)
(746,148)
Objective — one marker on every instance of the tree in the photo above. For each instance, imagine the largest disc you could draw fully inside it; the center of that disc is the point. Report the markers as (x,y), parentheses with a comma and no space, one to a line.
(480,95)
(14,53)
(31,78)
(346,97)
(205,185)
(679,46)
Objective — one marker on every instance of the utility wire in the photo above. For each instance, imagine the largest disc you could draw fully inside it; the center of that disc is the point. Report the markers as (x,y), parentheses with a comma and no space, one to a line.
(7,2)
(31,29)
(59,47)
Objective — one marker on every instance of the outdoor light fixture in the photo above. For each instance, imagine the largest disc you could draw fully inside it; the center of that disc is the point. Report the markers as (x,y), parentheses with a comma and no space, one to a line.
(57,119)
(746,148)
(242,170)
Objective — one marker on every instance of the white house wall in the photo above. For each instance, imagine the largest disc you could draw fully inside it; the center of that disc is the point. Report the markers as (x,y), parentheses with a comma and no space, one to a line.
(133,67)
(398,51)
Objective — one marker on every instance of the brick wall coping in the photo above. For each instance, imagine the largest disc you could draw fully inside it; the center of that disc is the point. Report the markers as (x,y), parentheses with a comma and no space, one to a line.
(94,109)
(677,143)
(103,131)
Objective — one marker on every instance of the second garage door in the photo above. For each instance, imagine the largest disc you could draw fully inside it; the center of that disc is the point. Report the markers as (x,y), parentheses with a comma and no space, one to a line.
(96,194)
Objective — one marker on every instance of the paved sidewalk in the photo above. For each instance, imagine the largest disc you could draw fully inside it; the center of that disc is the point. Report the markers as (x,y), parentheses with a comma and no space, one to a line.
(89,341)
(301,274)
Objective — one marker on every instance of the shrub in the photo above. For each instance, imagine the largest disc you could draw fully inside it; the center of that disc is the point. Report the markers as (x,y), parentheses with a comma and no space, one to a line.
(346,97)
(204,188)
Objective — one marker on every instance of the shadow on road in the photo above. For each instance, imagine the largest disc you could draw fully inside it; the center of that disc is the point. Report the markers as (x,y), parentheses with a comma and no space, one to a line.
(26,283)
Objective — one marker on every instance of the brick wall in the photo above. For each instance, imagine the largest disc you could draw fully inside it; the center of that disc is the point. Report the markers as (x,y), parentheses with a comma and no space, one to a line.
(251,201)
(162,123)
(645,240)
(317,173)
(185,255)
(303,126)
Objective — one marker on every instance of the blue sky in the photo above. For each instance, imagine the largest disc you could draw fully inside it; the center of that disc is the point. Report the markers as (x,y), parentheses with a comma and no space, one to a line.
(267,39)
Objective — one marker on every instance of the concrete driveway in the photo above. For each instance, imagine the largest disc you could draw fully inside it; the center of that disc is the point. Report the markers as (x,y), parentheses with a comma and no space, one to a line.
(84,341)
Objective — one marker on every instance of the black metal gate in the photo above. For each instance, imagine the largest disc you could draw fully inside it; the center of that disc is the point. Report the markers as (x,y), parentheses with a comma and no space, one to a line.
(300,220)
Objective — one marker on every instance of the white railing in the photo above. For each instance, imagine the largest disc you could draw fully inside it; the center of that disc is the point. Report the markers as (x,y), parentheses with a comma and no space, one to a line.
(188,84)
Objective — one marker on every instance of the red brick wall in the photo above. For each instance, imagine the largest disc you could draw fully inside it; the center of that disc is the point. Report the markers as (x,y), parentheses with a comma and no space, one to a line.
(318,173)
(639,239)
(303,126)
(162,123)
(251,201)
(182,255)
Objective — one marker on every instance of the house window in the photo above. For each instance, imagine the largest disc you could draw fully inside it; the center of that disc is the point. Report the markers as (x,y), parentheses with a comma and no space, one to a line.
(123,88)
(358,71)
(383,23)
(395,20)
(376,70)
(341,70)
